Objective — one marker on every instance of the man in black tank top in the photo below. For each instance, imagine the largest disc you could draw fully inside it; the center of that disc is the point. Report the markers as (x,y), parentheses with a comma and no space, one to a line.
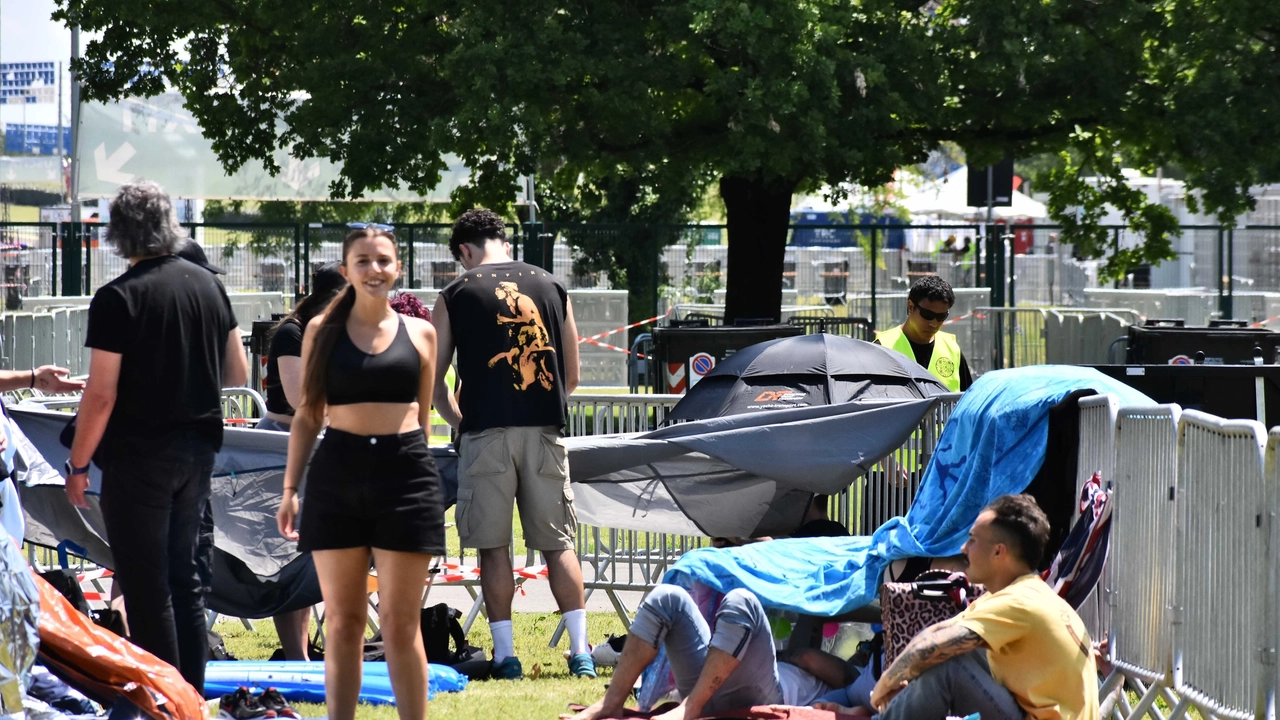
(517,346)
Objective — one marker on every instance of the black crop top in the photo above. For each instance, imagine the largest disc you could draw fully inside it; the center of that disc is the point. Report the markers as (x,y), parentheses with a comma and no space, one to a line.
(391,376)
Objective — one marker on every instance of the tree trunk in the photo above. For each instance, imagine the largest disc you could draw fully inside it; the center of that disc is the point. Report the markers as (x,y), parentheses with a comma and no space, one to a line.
(759,213)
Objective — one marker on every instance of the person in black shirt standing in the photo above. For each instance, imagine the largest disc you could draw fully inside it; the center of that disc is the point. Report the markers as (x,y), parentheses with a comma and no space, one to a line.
(517,345)
(164,343)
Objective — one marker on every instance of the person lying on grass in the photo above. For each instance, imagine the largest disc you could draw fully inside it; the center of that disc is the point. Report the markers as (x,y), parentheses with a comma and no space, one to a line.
(854,678)
(1019,651)
(732,666)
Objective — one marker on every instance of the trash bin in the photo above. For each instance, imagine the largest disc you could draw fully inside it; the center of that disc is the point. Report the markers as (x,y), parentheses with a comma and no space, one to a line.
(835,281)
(443,272)
(259,348)
(686,354)
(273,274)
(15,286)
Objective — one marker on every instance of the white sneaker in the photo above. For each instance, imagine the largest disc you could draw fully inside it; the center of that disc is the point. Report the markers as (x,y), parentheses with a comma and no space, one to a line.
(605,654)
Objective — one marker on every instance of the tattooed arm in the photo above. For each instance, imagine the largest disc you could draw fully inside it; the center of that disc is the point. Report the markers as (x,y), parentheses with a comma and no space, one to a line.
(933,646)
(719,664)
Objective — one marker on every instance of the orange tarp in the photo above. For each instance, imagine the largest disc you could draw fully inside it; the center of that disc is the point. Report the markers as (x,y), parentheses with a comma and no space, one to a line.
(106,667)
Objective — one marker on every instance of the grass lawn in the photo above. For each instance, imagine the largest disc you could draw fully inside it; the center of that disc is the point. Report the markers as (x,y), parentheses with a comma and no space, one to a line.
(543,697)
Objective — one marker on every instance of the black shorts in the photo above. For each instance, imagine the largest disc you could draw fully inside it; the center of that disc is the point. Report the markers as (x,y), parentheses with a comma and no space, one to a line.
(376,491)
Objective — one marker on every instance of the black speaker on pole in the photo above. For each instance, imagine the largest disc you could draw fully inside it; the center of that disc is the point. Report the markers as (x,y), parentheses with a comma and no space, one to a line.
(1001,184)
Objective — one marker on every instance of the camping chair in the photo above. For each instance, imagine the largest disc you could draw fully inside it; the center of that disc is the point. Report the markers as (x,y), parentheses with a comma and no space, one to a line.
(242,407)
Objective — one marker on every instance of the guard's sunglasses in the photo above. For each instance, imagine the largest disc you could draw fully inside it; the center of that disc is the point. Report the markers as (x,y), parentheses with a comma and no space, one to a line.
(931,316)
(375,226)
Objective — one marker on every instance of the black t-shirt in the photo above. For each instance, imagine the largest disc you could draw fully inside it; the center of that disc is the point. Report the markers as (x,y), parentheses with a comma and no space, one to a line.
(169,320)
(286,341)
(506,320)
(924,353)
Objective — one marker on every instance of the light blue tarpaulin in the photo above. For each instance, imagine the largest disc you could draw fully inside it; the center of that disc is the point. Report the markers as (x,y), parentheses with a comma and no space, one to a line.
(993,444)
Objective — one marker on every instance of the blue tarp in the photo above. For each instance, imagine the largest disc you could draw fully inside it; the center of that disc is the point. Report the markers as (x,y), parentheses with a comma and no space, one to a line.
(992,445)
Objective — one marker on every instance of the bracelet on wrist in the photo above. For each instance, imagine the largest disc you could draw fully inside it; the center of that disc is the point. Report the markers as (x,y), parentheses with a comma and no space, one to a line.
(33,379)
(293,490)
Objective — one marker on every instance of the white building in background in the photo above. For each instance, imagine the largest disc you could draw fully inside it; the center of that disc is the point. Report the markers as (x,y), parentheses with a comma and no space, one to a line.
(1255,253)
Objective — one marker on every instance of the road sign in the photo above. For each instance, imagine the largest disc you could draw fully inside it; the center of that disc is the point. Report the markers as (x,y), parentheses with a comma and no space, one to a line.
(158,139)
(699,365)
(676,378)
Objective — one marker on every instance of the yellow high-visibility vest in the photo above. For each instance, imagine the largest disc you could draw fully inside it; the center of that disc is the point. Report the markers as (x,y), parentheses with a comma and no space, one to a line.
(945,363)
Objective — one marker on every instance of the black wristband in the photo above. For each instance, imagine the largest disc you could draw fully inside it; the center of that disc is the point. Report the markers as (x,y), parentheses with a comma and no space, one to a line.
(33,379)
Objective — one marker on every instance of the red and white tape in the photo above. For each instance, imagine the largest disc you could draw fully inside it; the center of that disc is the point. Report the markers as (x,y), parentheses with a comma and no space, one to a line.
(615,331)
(454,572)
(98,596)
(595,339)
(607,346)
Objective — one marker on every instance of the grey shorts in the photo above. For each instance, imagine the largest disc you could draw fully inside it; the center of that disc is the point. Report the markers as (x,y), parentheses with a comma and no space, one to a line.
(500,466)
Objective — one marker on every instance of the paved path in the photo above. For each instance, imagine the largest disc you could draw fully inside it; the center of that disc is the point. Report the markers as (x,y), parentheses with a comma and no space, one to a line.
(536,597)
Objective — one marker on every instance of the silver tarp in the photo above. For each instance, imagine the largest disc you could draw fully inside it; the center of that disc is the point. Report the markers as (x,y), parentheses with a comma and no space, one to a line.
(19,631)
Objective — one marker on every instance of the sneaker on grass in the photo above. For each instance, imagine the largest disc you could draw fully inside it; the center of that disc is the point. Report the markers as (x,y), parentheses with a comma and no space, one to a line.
(272,700)
(508,669)
(242,705)
(581,665)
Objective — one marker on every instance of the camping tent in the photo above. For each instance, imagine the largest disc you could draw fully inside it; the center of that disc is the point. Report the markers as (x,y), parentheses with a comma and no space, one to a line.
(744,475)
(763,467)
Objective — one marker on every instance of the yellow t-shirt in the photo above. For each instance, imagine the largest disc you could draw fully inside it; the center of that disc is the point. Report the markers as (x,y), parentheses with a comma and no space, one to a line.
(1038,648)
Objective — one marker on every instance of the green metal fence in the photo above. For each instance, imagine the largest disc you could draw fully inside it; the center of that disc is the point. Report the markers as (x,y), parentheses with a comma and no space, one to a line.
(670,264)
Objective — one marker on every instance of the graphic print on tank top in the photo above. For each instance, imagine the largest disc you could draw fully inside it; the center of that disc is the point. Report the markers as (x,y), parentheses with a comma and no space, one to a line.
(530,356)
(507,321)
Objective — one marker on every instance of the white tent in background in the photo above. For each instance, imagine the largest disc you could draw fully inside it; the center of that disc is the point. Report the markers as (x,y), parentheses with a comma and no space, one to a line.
(946,199)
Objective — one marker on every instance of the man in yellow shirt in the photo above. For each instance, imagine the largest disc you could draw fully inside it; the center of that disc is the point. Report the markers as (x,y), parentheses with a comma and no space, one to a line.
(921,338)
(1019,651)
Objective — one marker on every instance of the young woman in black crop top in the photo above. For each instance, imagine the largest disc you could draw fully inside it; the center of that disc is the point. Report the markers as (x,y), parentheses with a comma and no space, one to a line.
(372,488)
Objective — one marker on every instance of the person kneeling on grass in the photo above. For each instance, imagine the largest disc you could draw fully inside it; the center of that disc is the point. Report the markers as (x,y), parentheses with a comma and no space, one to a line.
(1019,651)
(732,666)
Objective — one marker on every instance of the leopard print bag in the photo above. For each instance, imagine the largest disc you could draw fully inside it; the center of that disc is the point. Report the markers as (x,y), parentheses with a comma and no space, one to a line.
(909,607)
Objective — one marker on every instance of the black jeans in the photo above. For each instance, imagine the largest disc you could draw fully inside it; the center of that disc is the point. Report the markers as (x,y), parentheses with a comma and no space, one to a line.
(152,510)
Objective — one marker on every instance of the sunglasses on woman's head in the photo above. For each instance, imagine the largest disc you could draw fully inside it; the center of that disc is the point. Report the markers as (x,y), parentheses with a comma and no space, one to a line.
(931,315)
(375,226)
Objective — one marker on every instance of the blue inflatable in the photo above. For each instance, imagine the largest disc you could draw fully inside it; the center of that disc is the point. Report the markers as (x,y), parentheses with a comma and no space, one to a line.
(304,681)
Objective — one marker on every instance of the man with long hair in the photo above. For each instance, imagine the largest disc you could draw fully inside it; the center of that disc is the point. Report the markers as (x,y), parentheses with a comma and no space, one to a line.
(164,343)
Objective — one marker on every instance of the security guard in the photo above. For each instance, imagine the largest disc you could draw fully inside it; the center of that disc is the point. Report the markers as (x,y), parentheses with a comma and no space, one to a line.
(928,304)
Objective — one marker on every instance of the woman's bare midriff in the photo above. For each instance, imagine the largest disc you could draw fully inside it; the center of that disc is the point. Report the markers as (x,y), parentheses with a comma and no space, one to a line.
(375,418)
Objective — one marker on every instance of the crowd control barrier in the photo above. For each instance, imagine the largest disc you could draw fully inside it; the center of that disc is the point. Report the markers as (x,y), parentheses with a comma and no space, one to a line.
(1192,614)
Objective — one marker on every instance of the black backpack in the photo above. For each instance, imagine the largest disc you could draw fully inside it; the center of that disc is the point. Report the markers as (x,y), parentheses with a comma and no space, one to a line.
(440,631)
(444,641)
(440,626)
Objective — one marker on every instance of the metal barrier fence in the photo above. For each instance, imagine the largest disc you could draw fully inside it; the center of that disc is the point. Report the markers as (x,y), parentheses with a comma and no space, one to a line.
(1221,505)
(1195,617)
(999,337)
(1146,464)
(591,414)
